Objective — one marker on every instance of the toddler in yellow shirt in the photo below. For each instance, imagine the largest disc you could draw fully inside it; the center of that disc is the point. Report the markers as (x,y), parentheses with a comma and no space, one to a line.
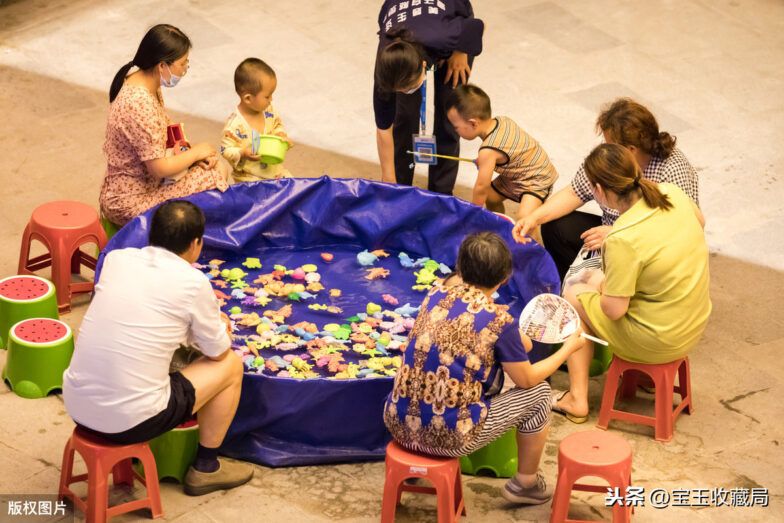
(255,82)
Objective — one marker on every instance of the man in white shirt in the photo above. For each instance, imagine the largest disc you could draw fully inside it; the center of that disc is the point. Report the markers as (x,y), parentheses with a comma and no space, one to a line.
(147,303)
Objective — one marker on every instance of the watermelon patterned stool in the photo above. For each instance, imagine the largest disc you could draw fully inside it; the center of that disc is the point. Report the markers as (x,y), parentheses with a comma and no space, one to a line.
(63,227)
(39,351)
(23,297)
(499,457)
(174,451)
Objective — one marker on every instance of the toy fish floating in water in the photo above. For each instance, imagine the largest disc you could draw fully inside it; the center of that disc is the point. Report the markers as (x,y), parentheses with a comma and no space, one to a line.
(405,260)
(366,258)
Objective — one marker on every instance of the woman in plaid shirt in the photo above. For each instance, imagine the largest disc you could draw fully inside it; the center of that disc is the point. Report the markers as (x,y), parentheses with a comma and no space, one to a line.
(564,229)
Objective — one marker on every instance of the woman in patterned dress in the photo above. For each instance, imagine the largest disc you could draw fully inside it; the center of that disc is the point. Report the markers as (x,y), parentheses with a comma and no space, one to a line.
(135,147)
(445,400)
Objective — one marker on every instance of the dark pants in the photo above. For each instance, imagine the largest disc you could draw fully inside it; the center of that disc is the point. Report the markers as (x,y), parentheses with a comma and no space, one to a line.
(442,176)
(562,237)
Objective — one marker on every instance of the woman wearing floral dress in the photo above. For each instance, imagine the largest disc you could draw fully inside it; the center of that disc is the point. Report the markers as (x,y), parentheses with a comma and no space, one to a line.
(139,174)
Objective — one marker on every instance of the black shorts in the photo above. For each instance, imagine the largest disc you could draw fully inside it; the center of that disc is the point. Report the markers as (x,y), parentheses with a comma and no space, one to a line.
(178,411)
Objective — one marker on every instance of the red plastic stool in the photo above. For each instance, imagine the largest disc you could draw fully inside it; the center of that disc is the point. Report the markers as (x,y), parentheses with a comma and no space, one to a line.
(663,376)
(62,227)
(443,474)
(103,457)
(592,453)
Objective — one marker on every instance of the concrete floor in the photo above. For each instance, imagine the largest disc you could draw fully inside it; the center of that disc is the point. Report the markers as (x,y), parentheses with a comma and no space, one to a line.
(709,70)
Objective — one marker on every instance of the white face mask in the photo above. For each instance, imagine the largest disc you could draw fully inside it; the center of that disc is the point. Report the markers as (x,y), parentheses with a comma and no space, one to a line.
(173,78)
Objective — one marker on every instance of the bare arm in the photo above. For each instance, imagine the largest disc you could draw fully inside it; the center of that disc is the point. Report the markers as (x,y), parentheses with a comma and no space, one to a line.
(614,307)
(560,204)
(225,353)
(698,213)
(526,375)
(486,162)
(386,154)
(169,166)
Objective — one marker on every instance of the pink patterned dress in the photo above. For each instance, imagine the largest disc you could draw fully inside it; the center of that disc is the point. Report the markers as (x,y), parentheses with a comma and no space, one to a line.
(135,133)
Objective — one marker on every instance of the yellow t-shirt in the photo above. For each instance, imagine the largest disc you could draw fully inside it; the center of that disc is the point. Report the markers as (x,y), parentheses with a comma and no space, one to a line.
(237,136)
(660,260)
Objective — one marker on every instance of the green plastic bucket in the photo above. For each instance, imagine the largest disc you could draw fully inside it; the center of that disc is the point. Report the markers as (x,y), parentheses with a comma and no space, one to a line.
(272,149)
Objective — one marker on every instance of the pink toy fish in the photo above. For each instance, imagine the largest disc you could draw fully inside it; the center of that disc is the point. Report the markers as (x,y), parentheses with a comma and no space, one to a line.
(298,274)
(388,298)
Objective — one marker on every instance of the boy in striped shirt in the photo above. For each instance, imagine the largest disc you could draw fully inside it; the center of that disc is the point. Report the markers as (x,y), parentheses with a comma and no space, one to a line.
(525,173)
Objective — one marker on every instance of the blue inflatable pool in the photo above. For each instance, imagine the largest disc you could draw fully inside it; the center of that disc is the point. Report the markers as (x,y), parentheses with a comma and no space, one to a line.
(284,421)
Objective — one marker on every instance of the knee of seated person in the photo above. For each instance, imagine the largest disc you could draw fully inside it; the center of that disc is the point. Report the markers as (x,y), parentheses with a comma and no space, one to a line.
(570,296)
(237,369)
(231,365)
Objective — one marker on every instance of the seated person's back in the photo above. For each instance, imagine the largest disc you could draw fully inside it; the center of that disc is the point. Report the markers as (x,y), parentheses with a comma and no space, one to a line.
(119,373)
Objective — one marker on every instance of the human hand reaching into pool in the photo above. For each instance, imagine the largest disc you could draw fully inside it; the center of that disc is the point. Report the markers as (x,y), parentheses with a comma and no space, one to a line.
(594,237)
(227,321)
(523,228)
(457,69)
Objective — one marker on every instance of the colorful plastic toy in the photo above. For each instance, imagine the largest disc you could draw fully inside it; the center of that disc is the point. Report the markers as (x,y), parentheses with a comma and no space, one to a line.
(373,308)
(388,298)
(405,260)
(252,263)
(376,273)
(366,258)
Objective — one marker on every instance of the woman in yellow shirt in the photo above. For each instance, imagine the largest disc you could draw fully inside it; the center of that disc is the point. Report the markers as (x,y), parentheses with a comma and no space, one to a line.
(652,304)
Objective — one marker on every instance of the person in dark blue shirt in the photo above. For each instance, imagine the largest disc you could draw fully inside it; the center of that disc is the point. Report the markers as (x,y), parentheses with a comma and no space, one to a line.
(415,35)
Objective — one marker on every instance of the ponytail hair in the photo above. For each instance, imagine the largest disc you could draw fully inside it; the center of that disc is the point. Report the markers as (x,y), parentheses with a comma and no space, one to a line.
(399,63)
(162,43)
(613,167)
(629,123)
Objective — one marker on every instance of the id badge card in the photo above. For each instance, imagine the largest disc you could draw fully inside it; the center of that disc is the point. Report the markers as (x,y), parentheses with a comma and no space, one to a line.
(425,143)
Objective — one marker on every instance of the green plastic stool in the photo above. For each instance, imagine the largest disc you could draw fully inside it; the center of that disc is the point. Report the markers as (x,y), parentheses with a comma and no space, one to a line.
(22,298)
(39,351)
(175,450)
(109,228)
(602,357)
(498,458)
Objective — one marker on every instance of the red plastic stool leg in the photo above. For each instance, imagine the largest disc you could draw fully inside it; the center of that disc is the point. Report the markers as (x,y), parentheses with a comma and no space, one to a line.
(392,493)
(445,501)
(629,383)
(66,471)
(664,415)
(24,251)
(608,396)
(151,482)
(684,386)
(97,490)
(122,473)
(561,497)
(459,501)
